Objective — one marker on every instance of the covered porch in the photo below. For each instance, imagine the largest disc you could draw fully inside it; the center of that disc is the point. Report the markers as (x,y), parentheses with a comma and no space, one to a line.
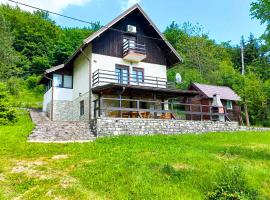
(131,101)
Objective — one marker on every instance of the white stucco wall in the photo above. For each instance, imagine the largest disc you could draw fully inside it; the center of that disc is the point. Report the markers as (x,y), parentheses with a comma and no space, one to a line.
(61,94)
(81,74)
(109,63)
(47,98)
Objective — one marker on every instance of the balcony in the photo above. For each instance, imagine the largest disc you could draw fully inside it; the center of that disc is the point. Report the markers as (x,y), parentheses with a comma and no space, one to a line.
(103,77)
(154,109)
(133,51)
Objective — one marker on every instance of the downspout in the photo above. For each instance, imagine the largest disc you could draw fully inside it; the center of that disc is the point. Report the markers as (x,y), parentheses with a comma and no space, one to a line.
(51,79)
(90,83)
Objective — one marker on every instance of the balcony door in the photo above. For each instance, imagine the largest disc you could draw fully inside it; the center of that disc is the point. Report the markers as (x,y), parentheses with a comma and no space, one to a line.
(122,74)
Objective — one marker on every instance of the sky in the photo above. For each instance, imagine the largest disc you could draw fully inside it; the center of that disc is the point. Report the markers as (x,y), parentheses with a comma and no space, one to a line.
(224,20)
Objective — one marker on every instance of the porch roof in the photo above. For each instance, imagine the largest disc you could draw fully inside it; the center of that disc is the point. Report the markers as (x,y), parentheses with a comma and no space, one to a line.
(135,90)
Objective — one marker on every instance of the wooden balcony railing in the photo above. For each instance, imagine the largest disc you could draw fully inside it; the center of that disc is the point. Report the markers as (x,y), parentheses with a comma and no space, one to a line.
(103,77)
(132,46)
(134,108)
(134,51)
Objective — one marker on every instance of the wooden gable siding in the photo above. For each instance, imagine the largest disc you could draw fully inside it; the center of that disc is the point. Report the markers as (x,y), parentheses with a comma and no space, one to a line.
(110,42)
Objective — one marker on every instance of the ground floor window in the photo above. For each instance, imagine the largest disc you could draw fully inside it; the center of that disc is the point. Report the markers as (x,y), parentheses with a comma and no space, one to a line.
(229,105)
(81,108)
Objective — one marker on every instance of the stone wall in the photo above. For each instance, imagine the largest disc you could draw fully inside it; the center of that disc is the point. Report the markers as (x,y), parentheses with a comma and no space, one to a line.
(103,127)
(69,110)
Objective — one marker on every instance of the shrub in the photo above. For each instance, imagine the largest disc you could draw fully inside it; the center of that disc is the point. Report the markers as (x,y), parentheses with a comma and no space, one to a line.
(231,185)
(13,86)
(7,114)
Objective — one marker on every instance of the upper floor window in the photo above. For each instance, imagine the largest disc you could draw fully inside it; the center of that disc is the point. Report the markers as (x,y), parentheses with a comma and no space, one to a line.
(62,81)
(137,75)
(122,74)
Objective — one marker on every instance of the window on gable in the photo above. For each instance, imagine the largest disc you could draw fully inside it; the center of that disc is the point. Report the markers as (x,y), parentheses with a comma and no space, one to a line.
(67,82)
(81,108)
(57,80)
(229,105)
(62,81)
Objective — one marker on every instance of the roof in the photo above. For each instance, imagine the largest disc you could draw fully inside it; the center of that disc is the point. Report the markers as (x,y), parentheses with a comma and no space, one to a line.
(54,68)
(139,90)
(209,91)
(117,19)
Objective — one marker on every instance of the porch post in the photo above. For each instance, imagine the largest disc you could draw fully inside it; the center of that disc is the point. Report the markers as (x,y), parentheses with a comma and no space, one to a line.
(120,105)
(155,106)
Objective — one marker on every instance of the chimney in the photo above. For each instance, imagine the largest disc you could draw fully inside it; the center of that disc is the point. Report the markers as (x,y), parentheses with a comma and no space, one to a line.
(218,107)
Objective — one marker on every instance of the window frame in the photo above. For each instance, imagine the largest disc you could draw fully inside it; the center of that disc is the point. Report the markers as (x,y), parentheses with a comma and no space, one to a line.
(62,80)
(121,81)
(137,69)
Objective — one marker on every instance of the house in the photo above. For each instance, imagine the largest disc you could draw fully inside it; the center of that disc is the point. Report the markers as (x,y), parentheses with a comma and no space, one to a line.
(119,71)
(211,96)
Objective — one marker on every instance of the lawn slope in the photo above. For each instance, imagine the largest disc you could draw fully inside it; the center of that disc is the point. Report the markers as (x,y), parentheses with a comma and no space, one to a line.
(147,167)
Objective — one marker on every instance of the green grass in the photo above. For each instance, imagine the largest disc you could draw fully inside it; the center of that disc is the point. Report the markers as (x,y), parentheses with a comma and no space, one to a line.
(145,167)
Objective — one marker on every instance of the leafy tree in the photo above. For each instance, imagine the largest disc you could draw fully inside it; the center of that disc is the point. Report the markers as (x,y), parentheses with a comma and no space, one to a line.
(260,9)
(8,55)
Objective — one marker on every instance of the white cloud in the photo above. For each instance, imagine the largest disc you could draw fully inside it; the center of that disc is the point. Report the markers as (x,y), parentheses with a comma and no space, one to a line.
(125,4)
(52,5)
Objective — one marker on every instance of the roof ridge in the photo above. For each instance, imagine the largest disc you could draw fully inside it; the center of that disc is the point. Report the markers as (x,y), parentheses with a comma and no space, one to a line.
(213,85)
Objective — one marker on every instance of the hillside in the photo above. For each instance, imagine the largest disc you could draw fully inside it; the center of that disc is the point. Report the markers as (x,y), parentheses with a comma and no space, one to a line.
(32,43)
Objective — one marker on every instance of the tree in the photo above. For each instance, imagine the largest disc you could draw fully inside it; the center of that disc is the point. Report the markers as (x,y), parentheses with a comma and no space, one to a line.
(8,55)
(260,10)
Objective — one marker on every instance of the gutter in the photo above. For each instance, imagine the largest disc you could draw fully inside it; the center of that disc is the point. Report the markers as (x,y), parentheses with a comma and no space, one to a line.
(90,82)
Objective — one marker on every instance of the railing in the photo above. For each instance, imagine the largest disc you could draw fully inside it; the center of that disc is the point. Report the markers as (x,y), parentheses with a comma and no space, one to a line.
(134,108)
(103,77)
(132,46)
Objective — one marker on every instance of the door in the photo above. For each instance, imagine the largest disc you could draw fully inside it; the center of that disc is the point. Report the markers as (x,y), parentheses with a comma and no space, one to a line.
(122,74)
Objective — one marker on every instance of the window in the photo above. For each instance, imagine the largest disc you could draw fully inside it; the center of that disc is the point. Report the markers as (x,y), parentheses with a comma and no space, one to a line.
(81,108)
(122,74)
(67,82)
(137,75)
(57,80)
(62,81)
(229,105)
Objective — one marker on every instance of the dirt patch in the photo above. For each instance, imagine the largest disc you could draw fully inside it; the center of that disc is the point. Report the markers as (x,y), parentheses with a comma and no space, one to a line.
(59,157)
(226,157)
(182,166)
(26,166)
(67,182)
(2,178)
(30,169)
(257,146)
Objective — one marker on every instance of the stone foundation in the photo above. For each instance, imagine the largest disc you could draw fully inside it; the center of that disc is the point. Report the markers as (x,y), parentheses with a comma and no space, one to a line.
(103,127)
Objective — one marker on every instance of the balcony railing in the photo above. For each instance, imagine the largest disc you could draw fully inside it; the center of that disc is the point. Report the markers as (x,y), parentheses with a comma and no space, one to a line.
(134,51)
(103,77)
(134,108)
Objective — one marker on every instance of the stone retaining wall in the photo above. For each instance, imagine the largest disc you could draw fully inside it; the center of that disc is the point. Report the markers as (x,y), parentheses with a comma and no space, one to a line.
(103,127)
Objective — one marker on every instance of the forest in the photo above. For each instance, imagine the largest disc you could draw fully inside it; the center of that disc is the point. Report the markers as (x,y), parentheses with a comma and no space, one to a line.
(33,42)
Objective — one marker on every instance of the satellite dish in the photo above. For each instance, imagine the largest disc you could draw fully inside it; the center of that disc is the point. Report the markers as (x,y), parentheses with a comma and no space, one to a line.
(178,78)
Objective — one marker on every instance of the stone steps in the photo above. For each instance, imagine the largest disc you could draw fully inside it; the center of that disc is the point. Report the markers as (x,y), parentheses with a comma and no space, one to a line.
(50,131)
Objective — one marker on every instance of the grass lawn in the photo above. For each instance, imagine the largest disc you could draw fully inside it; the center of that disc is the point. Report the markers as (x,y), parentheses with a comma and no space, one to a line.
(145,167)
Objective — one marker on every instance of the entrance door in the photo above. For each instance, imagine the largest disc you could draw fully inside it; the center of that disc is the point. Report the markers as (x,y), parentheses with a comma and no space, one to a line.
(122,74)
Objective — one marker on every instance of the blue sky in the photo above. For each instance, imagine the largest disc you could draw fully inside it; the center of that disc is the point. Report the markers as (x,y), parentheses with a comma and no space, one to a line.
(224,20)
